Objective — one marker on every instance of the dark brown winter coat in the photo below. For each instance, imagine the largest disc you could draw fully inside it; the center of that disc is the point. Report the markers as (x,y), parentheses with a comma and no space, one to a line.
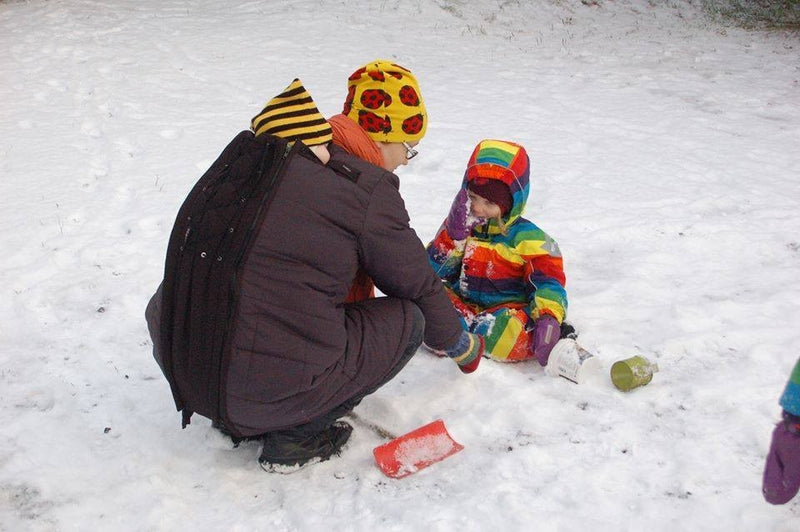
(290,350)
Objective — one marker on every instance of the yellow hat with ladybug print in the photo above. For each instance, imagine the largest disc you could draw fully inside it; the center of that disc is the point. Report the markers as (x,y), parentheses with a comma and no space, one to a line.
(384,99)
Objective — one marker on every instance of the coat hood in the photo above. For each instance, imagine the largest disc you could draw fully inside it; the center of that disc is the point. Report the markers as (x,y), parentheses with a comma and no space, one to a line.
(506,162)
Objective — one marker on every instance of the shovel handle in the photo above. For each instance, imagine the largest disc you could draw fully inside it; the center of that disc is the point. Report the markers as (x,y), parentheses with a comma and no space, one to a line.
(374,427)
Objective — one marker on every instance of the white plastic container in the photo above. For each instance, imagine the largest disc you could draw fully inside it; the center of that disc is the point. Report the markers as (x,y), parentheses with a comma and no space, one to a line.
(571,361)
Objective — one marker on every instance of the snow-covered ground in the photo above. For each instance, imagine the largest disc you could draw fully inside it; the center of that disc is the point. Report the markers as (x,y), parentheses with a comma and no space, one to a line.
(665,162)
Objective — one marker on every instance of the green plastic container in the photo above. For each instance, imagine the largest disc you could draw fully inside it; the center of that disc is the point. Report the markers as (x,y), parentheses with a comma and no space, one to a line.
(632,372)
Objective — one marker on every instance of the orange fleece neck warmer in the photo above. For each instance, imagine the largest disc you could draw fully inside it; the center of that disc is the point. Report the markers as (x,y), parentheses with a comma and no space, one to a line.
(350,136)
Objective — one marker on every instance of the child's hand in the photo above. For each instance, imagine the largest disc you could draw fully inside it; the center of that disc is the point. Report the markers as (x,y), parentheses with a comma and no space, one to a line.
(546,333)
(782,471)
(459,221)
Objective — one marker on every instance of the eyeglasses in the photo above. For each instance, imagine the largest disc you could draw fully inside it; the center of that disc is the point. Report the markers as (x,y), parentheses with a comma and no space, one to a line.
(410,152)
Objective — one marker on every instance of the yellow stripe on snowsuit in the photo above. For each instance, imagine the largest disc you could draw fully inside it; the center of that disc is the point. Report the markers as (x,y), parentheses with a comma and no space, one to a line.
(506,253)
(500,145)
(519,253)
(508,339)
(531,247)
(542,304)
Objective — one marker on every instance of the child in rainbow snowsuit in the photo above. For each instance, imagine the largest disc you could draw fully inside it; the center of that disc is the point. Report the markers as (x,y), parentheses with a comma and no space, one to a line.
(504,275)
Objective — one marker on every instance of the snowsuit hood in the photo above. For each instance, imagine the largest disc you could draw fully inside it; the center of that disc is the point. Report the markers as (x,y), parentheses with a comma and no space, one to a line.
(508,163)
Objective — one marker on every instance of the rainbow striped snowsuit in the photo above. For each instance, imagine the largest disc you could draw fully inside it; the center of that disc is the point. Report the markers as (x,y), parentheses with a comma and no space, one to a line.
(500,283)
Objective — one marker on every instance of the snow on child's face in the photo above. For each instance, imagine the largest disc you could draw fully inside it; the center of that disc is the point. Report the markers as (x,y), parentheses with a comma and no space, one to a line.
(483,208)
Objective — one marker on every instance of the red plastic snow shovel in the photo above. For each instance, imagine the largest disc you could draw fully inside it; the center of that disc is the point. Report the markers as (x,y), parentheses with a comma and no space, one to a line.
(416,450)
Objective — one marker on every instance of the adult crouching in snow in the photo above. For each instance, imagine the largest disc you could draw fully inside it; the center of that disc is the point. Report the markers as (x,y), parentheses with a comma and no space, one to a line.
(258,323)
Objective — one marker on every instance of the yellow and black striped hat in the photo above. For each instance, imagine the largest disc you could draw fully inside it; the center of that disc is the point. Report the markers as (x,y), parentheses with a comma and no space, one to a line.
(292,115)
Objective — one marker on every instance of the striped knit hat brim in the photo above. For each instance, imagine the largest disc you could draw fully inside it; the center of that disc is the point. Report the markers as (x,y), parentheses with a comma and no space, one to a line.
(493,190)
(292,115)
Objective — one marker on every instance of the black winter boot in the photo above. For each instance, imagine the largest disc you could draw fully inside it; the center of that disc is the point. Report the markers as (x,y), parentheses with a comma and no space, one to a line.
(290,451)
(220,426)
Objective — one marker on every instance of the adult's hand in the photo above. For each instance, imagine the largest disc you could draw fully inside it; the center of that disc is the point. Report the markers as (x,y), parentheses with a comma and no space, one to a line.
(467,351)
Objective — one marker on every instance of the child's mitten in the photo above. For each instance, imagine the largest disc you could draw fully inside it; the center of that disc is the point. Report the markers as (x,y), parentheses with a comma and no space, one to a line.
(467,351)
(782,470)
(459,221)
(546,333)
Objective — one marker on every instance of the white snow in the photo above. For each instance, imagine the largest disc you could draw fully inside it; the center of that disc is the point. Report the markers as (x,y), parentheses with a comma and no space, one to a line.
(415,453)
(664,161)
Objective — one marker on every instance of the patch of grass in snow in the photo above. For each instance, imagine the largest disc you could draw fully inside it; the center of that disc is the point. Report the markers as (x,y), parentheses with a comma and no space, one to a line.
(757,14)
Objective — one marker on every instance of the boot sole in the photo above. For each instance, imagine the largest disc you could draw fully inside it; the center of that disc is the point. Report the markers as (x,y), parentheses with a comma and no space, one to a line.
(287,469)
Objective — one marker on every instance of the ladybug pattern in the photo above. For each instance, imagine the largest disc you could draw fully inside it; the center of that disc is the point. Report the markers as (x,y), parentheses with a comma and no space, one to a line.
(384,99)
(357,74)
(372,123)
(409,96)
(413,124)
(348,102)
(375,98)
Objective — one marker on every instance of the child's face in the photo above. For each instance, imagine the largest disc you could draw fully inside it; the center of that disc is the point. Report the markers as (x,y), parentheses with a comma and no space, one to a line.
(480,207)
